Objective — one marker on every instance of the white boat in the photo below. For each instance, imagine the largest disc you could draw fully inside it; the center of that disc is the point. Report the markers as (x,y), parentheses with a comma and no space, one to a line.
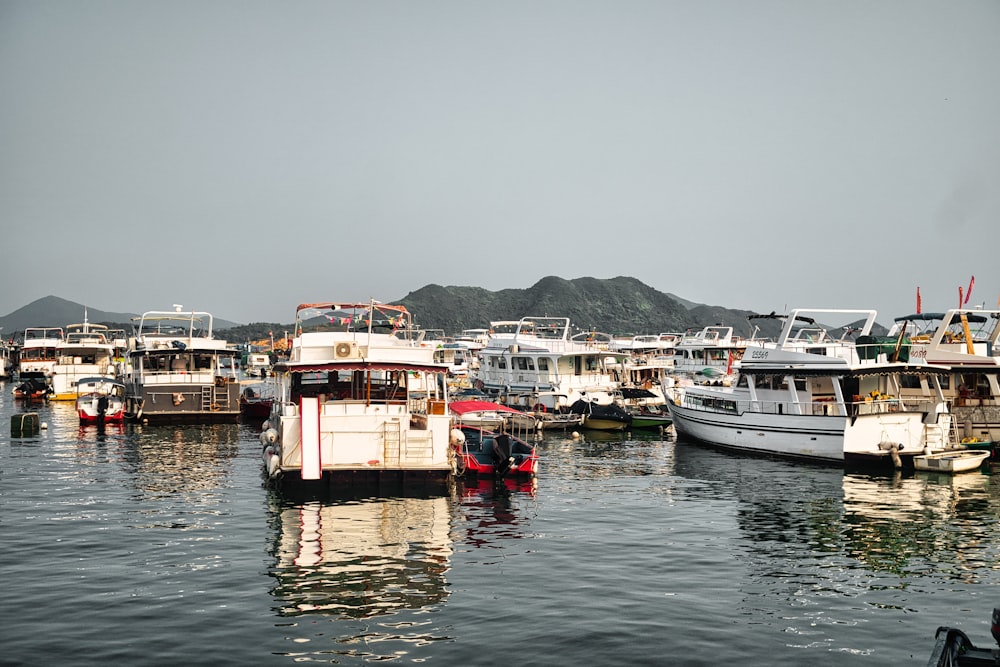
(360,401)
(952,461)
(101,400)
(84,352)
(176,370)
(965,340)
(811,396)
(36,360)
(536,362)
(709,356)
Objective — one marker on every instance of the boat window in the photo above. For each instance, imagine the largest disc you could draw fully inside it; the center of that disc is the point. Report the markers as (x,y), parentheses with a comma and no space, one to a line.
(502,362)
(543,364)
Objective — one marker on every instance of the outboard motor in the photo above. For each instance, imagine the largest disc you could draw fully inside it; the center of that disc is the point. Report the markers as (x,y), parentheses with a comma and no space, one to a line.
(102,407)
(502,459)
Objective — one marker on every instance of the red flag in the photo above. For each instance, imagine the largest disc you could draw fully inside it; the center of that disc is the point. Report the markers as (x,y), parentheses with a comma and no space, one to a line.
(972,281)
(960,296)
(918,301)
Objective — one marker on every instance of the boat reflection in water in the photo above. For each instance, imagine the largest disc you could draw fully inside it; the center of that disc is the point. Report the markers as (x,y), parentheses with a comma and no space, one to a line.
(362,558)
(895,524)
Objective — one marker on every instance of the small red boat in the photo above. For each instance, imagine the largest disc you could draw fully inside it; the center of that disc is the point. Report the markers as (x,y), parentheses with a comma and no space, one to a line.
(33,387)
(256,400)
(101,400)
(484,453)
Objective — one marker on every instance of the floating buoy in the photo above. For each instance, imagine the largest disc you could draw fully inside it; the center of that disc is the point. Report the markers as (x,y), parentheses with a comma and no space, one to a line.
(576,435)
(25,423)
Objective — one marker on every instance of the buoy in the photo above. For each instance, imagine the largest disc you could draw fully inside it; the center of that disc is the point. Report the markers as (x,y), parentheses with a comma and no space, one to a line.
(576,435)
(25,423)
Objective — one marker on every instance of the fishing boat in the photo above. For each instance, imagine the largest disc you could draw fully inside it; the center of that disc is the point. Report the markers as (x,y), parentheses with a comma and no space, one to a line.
(951,461)
(177,371)
(485,453)
(954,648)
(359,402)
(818,397)
(101,400)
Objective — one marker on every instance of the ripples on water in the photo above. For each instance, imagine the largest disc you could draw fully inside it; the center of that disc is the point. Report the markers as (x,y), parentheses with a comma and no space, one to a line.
(160,546)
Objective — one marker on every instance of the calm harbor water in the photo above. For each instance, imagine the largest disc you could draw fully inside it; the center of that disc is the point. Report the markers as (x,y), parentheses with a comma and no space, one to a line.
(159,545)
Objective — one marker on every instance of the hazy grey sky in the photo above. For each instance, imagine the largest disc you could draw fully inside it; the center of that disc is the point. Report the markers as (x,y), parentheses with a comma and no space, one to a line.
(242,157)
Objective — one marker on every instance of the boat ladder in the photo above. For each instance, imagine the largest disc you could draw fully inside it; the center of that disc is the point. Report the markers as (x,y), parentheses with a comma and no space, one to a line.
(390,443)
(214,398)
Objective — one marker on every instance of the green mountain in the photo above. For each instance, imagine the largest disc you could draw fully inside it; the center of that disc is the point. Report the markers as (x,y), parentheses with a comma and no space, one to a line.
(619,306)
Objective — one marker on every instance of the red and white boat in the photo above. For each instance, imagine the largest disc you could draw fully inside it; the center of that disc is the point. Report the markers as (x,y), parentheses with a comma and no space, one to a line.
(484,414)
(101,400)
(484,453)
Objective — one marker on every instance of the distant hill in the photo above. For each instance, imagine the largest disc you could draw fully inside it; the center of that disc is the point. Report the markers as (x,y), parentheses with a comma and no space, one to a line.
(52,311)
(619,306)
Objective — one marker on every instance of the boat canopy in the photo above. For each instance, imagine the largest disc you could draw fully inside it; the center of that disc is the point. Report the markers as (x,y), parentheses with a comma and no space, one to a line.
(357,365)
(465,407)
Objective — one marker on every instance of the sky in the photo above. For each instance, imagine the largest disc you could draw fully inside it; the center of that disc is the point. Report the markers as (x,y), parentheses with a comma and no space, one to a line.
(242,157)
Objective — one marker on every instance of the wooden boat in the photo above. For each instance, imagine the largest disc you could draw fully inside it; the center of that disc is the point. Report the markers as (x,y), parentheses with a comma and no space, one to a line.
(101,400)
(953,648)
(951,461)
(484,453)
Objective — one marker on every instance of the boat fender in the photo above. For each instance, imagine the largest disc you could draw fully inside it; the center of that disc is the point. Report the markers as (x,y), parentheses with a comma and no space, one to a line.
(457,438)
(266,425)
(268,437)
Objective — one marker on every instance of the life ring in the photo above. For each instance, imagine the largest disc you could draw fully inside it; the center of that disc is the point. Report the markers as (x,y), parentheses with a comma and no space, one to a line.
(214,407)
(538,407)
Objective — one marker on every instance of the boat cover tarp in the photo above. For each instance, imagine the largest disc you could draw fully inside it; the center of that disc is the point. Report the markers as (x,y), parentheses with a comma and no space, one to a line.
(869,347)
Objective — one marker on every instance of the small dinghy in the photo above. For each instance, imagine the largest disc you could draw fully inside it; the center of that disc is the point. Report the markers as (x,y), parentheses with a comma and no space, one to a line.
(951,461)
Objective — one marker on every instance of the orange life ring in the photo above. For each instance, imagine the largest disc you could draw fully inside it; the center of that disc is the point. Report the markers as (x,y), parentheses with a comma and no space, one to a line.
(538,407)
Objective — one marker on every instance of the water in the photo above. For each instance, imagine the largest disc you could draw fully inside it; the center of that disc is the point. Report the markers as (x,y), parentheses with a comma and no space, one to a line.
(159,545)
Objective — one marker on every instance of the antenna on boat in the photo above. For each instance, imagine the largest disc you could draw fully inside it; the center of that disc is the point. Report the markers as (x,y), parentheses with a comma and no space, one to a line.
(178,307)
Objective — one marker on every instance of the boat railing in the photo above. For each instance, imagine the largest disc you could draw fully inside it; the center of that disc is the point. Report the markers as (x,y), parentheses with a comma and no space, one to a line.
(828,408)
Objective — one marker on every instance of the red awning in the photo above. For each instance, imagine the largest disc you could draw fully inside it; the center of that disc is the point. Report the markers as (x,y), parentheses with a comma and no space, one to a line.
(356,365)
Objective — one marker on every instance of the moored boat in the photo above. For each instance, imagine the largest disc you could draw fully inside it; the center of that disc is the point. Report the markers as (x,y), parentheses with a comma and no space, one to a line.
(101,400)
(951,461)
(177,371)
(954,648)
(484,414)
(816,397)
(256,400)
(360,402)
(84,352)
(485,453)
